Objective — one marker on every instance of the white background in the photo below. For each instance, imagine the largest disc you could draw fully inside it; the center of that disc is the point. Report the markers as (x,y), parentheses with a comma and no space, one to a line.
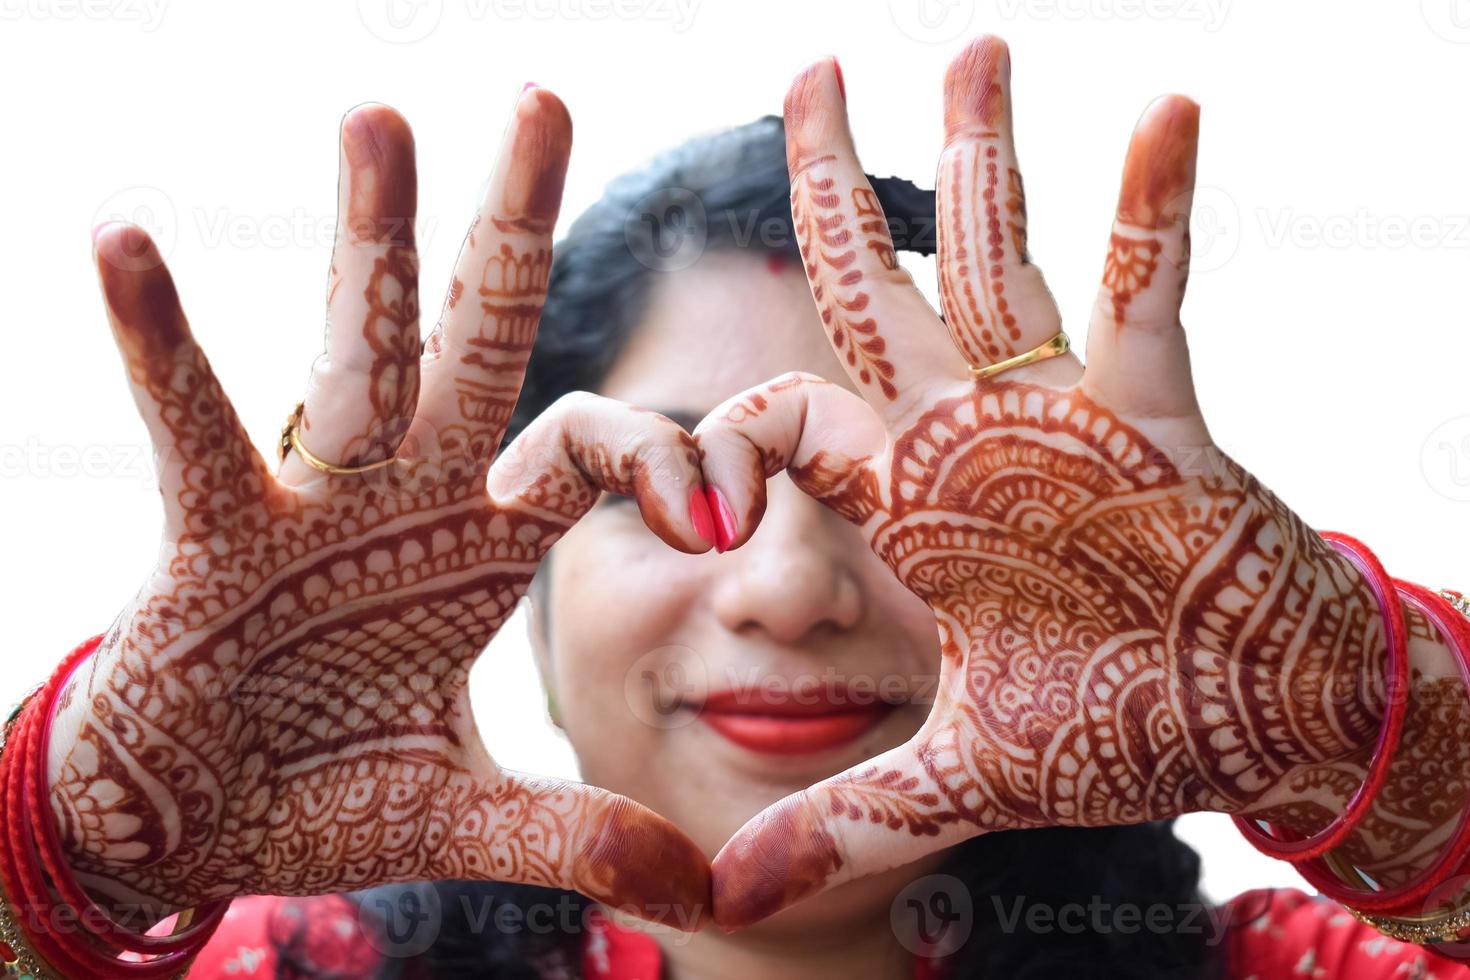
(1327,314)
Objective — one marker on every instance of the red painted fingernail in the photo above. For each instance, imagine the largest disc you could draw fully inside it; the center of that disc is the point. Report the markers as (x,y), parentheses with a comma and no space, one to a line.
(699,516)
(841,86)
(724,518)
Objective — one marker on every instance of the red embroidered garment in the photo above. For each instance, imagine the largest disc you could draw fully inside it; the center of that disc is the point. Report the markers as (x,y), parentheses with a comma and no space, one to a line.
(1269,933)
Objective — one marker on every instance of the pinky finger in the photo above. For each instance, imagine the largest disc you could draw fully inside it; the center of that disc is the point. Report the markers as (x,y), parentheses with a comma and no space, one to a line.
(209,473)
(1137,357)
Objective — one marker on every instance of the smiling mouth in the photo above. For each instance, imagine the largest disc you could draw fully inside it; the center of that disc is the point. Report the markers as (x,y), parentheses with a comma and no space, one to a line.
(823,722)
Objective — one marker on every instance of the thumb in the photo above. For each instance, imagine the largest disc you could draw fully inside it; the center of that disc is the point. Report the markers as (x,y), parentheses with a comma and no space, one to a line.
(881,814)
(560,834)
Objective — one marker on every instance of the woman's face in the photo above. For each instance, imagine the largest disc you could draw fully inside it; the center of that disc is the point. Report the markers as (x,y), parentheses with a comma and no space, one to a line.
(710,686)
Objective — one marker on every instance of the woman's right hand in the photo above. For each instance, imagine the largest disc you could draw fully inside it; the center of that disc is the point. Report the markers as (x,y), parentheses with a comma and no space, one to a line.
(282,708)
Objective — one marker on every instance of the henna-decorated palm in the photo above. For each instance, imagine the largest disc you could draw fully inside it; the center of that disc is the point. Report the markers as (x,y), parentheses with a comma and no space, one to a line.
(1123,611)
(282,708)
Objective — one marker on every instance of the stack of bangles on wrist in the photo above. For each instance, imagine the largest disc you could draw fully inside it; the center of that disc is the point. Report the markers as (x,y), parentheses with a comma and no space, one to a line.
(1431,908)
(49,926)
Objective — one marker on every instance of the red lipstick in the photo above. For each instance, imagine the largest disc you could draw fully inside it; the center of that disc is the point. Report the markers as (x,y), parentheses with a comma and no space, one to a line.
(790,724)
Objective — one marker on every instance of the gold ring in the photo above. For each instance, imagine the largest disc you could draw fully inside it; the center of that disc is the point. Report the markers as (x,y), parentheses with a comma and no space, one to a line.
(1054,347)
(291,439)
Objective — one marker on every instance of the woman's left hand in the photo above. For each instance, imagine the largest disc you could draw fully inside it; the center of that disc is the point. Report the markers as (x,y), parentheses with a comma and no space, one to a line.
(1128,618)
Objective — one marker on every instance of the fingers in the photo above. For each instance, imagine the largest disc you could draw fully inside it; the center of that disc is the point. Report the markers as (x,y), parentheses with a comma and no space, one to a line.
(1137,357)
(883,331)
(209,473)
(363,388)
(586,444)
(559,834)
(821,432)
(996,304)
(475,358)
(884,813)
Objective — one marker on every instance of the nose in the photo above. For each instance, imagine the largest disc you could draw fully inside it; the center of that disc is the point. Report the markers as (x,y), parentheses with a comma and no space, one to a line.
(794,577)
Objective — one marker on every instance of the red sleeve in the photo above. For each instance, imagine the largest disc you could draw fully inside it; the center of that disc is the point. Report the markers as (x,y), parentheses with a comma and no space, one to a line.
(1282,933)
(272,937)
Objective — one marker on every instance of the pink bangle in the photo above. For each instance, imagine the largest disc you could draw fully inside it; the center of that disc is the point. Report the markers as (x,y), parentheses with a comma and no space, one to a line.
(1406,897)
(1292,848)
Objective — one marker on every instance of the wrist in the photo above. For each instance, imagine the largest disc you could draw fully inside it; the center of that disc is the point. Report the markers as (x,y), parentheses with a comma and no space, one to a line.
(1421,796)
(84,773)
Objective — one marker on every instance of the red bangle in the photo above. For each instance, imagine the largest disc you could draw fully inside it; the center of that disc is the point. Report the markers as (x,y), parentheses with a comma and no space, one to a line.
(1294,848)
(1405,898)
(38,790)
(20,870)
(31,868)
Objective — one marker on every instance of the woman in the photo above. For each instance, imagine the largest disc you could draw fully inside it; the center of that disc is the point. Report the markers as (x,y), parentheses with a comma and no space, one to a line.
(1121,637)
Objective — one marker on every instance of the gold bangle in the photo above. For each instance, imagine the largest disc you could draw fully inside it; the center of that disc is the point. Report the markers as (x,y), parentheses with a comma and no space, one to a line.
(291,439)
(1444,928)
(21,962)
(1456,599)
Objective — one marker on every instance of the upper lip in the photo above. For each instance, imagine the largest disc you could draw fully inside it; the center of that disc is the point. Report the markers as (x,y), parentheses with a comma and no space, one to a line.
(800,703)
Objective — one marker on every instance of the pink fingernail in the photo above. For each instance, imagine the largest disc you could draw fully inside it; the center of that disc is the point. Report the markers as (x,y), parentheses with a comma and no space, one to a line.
(699,516)
(724,519)
(528,86)
(841,86)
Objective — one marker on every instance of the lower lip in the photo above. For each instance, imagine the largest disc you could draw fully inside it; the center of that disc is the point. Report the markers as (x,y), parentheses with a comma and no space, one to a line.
(791,735)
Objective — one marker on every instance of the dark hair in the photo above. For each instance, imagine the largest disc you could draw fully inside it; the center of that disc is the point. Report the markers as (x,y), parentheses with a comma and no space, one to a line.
(725,191)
